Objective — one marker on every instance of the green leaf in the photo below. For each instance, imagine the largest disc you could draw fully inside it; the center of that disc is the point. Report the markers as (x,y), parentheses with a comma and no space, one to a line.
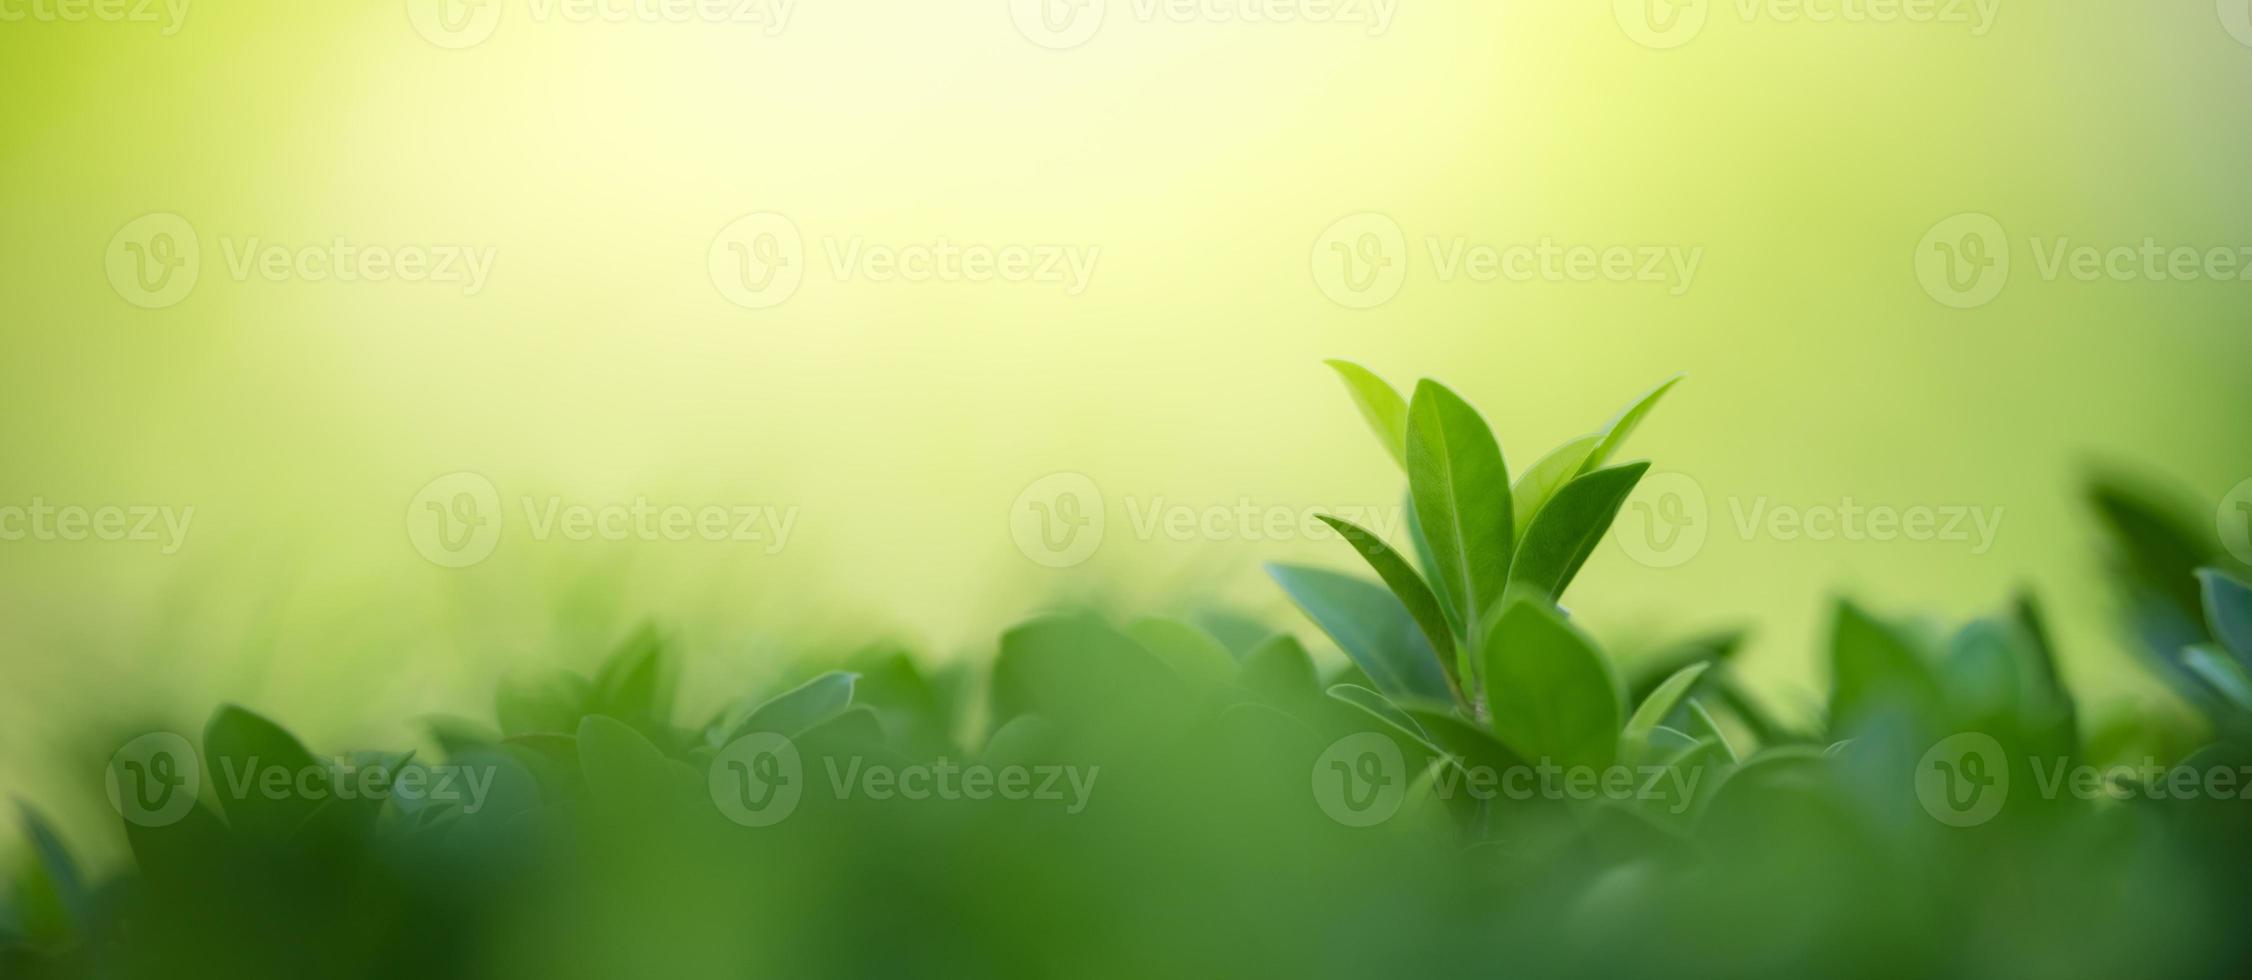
(1704,728)
(2222,671)
(61,872)
(1623,425)
(546,701)
(1371,626)
(1082,675)
(1539,485)
(638,684)
(1657,706)
(1421,543)
(798,709)
(1470,746)
(1551,695)
(239,748)
(456,735)
(620,765)
(1382,709)
(2228,612)
(1874,668)
(1461,488)
(1279,667)
(1565,532)
(1380,405)
(1421,605)
(1192,653)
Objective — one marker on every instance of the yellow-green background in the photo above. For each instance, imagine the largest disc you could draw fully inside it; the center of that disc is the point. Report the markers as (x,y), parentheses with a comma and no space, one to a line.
(903,419)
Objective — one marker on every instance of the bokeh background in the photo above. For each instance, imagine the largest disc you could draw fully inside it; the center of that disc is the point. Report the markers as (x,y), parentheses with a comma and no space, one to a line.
(1208,161)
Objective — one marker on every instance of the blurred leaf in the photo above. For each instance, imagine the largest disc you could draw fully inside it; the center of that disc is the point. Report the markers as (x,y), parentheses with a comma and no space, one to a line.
(1371,626)
(1079,673)
(1623,425)
(1191,652)
(1461,488)
(1703,728)
(638,684)
(55,864)
(2221,670)
(546,701)
(800,708)
(1566,531)
(2228,612)
(1657,707)
(1421,605)
(240,749)
(1380,405)
(620,765)
(1280,667)
(1551,695)
(455,734)
(1874,668)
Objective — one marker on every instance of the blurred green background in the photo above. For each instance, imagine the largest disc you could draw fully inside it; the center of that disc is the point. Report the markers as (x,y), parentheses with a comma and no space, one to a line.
(1207,161)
